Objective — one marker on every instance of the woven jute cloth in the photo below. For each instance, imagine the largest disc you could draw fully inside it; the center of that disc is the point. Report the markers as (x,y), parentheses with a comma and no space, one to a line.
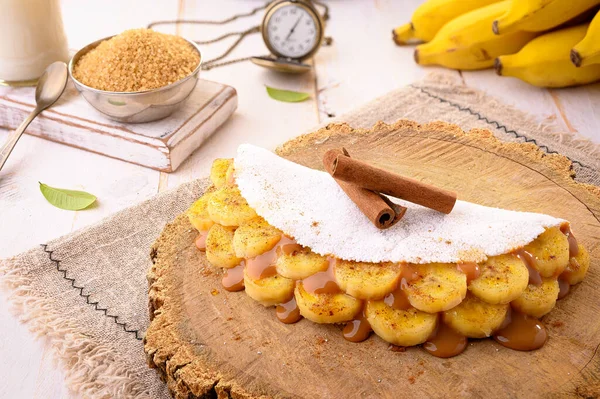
(87,291)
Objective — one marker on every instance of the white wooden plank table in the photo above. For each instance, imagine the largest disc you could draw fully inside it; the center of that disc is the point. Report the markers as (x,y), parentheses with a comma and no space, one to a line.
(362,63)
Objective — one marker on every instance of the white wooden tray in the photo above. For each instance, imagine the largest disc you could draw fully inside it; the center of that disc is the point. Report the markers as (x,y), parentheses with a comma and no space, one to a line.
(162,145)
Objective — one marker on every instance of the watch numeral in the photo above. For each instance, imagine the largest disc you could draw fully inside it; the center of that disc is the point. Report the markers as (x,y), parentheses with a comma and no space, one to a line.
(293,11)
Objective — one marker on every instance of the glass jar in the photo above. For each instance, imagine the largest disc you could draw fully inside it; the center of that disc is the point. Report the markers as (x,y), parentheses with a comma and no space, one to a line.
(31,38)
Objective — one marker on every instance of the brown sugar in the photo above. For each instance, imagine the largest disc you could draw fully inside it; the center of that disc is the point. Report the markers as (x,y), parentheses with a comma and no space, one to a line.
(137,60)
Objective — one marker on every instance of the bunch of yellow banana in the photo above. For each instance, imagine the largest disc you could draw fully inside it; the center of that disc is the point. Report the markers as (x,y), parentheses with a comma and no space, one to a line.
(587,51)
(540,15)
(429,18)
(511,35)
(467,42)
(545,61)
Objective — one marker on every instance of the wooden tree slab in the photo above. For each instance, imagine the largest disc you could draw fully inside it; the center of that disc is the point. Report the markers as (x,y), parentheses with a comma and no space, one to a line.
(206,341)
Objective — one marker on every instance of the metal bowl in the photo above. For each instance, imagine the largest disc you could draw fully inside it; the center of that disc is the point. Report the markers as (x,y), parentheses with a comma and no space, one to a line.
(137,106)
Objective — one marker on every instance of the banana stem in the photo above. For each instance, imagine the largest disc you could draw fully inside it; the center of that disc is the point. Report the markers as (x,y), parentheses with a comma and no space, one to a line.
(404,33)
(425,55)
(498,66)
(504,24)
(575,58)
(584,60)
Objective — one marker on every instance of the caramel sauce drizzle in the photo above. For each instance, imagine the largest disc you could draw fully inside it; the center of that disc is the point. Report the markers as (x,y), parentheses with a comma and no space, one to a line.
(563,284)
(573,244)
(289,249)
(398,299)
(288,312)
(201,240)
(358,329)
(534,276)
(233,279)
(231,179)
(518,331)
(521,332)
(565,275)
(445,342)
(322,282)
(563,287)
(263,265)
(471,269)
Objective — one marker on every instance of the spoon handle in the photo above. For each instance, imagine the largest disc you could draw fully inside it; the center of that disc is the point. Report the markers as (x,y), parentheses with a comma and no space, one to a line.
(13,137)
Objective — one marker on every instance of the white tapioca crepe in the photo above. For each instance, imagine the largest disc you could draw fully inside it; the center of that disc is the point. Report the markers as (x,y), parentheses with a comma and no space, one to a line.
(309,206)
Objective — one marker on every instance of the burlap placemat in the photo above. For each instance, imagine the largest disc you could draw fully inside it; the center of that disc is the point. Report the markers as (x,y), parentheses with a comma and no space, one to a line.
(87,291)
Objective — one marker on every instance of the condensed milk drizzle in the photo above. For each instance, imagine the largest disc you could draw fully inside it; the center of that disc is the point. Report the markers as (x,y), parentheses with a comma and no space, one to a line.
(322,282)
(521,332)
(534,276)
(233,279)
(358,329)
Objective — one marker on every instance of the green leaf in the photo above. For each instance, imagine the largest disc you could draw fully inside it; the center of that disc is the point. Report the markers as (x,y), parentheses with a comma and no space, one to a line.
(286,95)
(70,200)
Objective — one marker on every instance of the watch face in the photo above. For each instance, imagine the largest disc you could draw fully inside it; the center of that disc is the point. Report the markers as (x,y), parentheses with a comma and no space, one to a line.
(292,31)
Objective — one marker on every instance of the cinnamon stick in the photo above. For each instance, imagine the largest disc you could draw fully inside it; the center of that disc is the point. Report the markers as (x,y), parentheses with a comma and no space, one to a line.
(344,168)
(382,212)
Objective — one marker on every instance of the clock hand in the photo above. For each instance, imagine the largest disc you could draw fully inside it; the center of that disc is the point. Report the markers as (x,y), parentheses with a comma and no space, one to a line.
(293,28)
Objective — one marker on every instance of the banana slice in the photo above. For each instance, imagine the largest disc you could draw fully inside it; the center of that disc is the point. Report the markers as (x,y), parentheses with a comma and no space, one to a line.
(255,237)
(229,177)
(400,327)
(367,280)
(578,267)
(502,279)
(300,263)
(198,213)
(269,291)
(218,171)
(227,207)
(219,247)
(537,300)
(438,287)
(551,250)
(326,308)
(474,318)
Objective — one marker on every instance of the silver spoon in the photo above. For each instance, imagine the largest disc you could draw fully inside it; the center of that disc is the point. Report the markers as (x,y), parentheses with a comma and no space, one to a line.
(49,89)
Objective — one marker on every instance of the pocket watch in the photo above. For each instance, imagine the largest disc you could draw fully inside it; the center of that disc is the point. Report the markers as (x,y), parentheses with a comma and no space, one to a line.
(293,31)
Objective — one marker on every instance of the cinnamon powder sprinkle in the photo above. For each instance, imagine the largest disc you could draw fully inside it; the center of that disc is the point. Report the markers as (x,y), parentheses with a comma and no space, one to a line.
(137,60)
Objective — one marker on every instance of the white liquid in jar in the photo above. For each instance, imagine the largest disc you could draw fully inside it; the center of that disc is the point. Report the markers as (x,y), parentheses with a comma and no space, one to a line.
(31,38)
